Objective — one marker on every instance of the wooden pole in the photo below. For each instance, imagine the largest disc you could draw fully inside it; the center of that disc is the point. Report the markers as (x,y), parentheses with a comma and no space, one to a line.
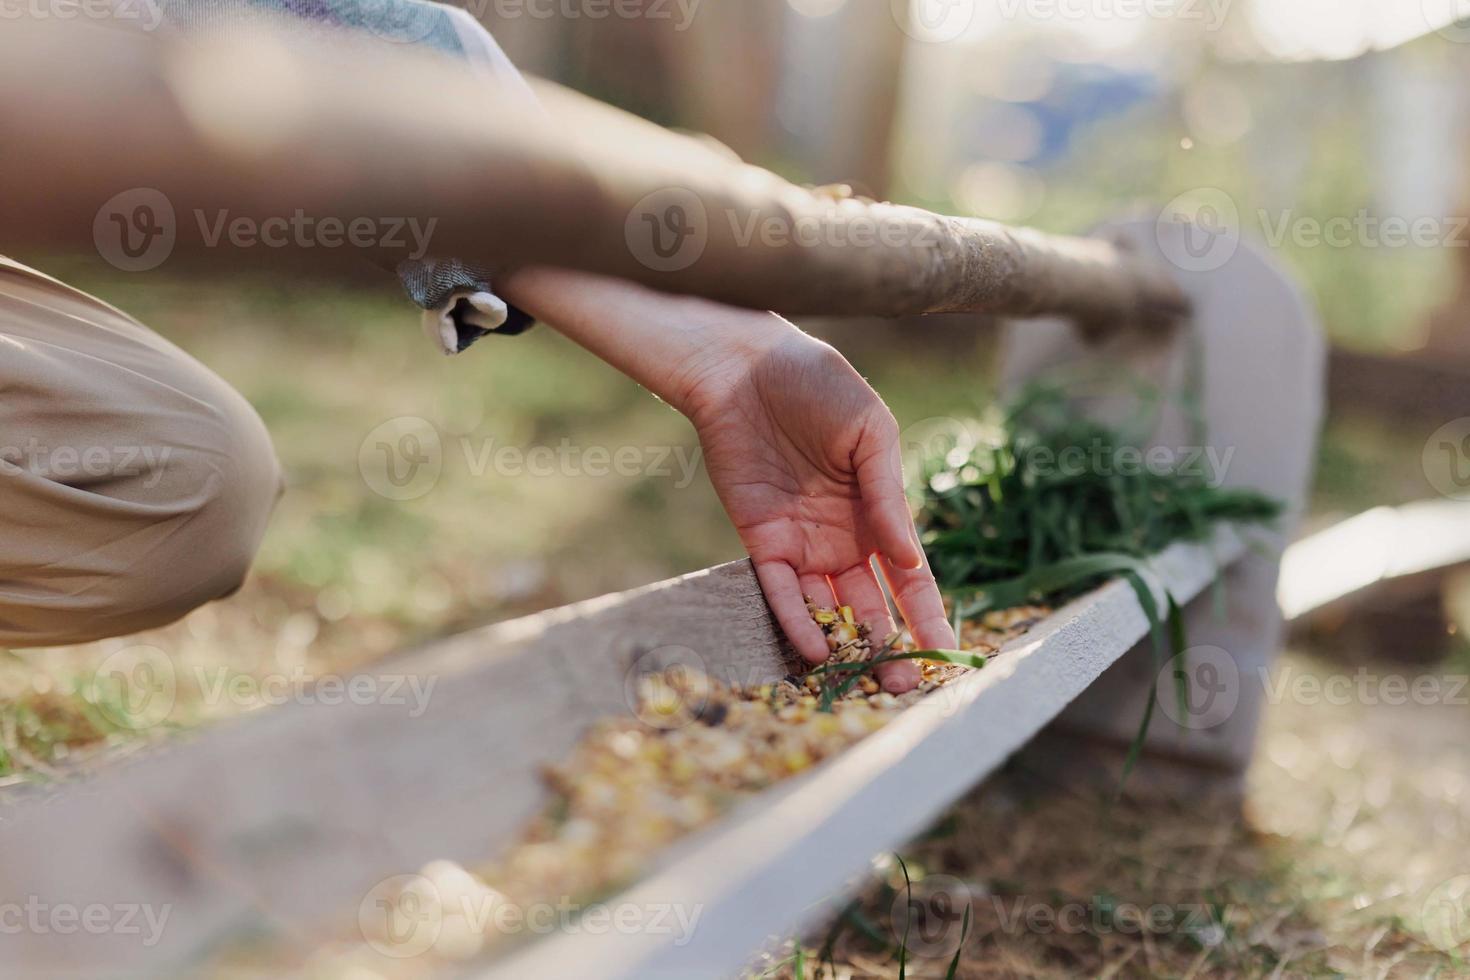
(253,127)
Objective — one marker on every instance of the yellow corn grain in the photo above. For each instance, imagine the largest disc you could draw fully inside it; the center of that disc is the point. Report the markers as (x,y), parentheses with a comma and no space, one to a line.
(796,760)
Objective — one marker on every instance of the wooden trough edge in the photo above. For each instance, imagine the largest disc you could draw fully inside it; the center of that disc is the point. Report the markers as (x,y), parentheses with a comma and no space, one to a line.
(282,822)
(278,822)
(774,864)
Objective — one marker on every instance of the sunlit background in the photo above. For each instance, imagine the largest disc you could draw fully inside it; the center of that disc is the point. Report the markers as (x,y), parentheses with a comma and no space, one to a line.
(1300,115)
(1062,112)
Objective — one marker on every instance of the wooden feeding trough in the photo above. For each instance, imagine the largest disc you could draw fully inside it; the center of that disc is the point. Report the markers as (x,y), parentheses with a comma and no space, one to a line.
(285,821)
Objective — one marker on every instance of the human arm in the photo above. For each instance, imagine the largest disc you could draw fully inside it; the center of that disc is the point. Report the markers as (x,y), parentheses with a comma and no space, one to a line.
(802,452)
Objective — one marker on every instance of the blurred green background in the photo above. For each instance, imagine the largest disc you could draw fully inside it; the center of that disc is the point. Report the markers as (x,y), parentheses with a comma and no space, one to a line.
(1288,108)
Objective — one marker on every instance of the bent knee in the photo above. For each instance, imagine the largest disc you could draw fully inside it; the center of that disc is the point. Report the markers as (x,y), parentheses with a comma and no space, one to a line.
(136,515)
(211,491)
(135,484)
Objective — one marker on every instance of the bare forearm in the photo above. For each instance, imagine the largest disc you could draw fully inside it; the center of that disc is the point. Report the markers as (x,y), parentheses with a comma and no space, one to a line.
(669,344)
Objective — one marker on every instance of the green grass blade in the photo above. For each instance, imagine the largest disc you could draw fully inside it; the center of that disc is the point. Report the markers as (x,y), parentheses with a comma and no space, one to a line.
(908,919)
(954,964)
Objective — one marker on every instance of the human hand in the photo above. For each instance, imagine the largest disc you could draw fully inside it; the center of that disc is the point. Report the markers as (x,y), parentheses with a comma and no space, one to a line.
(802,452)
(805,458)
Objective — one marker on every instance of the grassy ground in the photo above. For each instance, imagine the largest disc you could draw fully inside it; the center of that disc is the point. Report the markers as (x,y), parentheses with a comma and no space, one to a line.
(1355,810)
(1358,816)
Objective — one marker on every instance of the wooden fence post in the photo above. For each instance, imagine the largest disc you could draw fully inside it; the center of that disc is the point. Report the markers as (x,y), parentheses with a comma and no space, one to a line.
(1260,355)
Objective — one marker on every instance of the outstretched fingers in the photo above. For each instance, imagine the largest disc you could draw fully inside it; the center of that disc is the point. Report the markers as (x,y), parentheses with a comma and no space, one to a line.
(919,602)
(818,589)
(886,509)
(914,590)
(784,595)
(858,587)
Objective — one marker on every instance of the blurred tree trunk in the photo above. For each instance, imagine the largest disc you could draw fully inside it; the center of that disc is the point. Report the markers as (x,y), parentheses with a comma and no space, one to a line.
(816,97)
(717,73)
(839,94)
(726,69)
(1449,326)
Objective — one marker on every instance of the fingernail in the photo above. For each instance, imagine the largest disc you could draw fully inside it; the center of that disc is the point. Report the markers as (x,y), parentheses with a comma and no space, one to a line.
(918,551)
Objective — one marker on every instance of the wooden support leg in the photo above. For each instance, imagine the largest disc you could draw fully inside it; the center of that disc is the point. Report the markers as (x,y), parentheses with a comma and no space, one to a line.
(1260,355)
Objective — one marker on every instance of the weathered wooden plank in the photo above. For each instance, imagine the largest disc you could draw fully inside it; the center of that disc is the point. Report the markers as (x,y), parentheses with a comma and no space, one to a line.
(1374,547)
(770,866)
(1253,355)
(1383,581)
(1409,387)
(284,821)
(277,818)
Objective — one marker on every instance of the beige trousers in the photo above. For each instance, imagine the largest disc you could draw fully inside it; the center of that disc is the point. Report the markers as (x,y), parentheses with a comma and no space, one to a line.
(135,484)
